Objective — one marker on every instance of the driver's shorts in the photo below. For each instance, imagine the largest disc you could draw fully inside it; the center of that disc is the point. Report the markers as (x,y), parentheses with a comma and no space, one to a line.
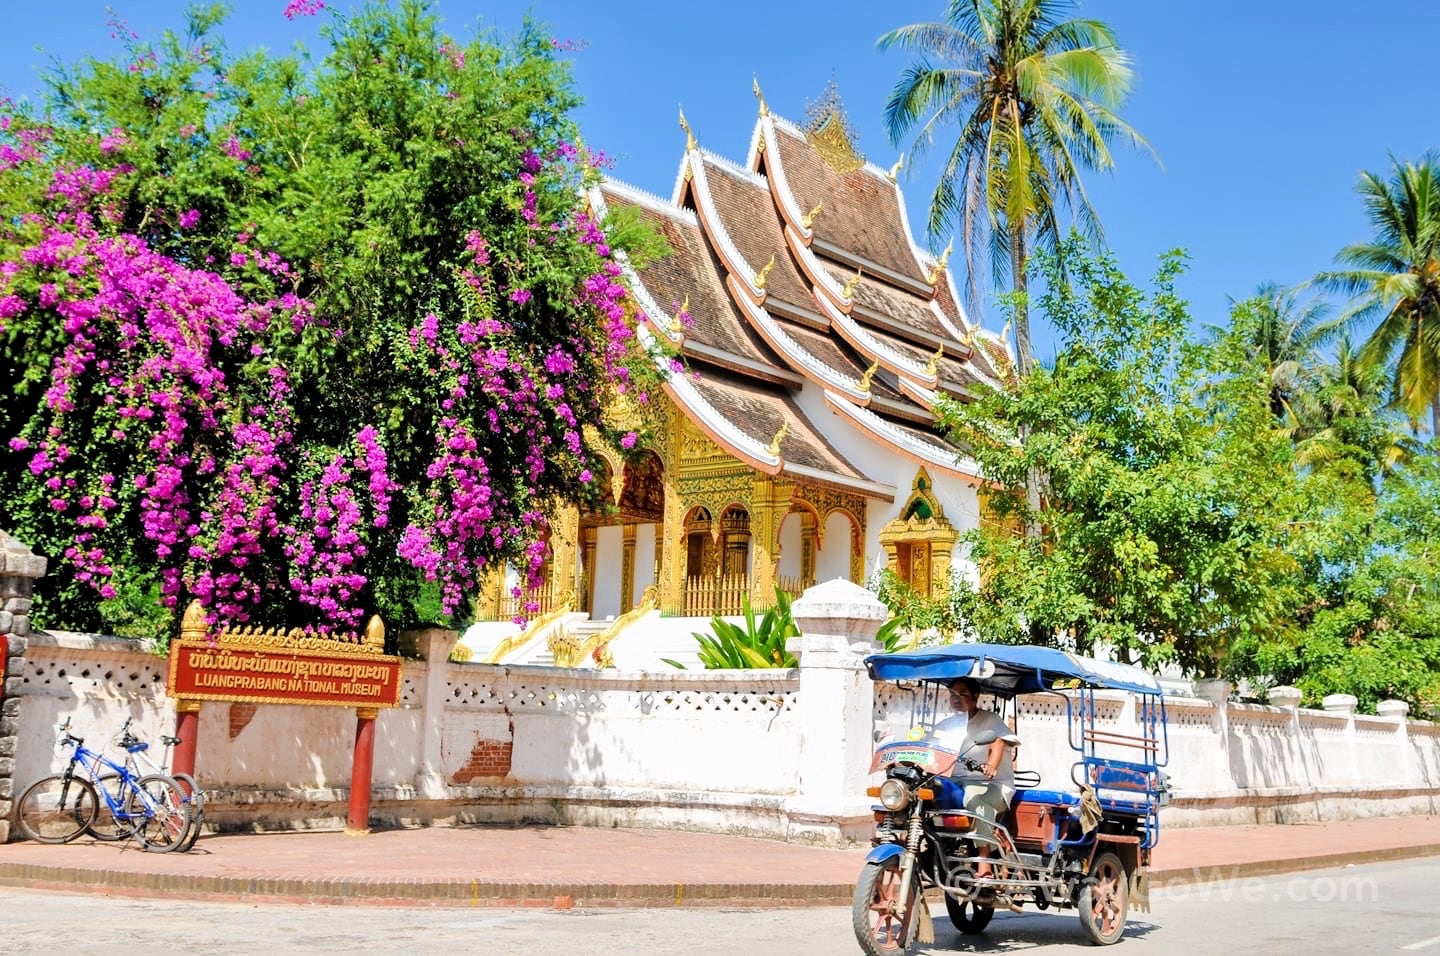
(986,801)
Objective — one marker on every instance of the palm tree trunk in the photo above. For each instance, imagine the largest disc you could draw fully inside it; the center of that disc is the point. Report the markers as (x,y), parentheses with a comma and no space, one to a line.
(1020,284)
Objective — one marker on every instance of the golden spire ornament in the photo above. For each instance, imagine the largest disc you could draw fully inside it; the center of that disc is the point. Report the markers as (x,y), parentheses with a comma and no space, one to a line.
(933,368)
(864,383)
(895,170)
(808,219)
(755,88)
(851,285)
(774,448)
(690,143)
(939,268)
(677,325)
(764,274)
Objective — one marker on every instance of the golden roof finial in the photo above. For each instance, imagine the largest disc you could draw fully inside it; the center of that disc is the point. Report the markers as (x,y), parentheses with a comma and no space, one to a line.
(690,143)
(895,170)
(755,86)
(864,383)
(764,273)
(851,285)
(677,325)
(808,219)
(1005,335)
(969,340)
(934,367)
(939,268)
(774,448)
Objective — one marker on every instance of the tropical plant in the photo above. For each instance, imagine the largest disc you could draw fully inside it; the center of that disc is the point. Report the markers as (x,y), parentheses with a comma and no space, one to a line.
(1288,334)
(1169,490)
(915,618)
(304,341)
(753,645)
(1395,278)
(1035,99)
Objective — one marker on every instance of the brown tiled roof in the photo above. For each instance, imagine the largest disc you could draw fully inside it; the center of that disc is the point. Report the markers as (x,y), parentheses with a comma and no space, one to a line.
(835,353)
(759,411)
(924,434)
(953,372)
(861,214)
(948,305)
(748,214)
(692,270)
(905,309)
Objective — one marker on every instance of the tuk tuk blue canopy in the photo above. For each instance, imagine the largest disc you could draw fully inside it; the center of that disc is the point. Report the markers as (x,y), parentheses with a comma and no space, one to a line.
(1010,669)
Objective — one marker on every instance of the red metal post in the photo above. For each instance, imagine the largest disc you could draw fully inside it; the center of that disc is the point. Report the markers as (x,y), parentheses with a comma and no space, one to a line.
(187,728)
(358,822)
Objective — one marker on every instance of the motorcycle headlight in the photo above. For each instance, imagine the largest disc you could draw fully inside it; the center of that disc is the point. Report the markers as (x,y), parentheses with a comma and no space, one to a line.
(894,795)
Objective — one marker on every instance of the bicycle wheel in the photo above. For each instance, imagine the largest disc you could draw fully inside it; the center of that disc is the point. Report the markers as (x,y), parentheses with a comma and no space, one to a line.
(196,798)
(56,809)
(109,825)
(157,805)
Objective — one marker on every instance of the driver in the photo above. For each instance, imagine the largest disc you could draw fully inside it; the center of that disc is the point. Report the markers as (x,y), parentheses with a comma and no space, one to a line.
(988,791)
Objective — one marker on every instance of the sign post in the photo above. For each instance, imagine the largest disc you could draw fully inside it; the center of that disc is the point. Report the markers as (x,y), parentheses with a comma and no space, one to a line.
(271,666)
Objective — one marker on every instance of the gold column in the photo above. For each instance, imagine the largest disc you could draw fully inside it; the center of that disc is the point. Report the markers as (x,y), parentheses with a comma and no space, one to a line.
(771,501)
(492,587)
(808,537)
(627,569)
(587,570)
(564,553)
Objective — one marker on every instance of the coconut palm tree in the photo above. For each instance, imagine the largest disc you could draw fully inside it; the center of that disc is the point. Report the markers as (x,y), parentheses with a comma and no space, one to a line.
(1034,97)
(1288,334)
(1395,277)
(1342,417)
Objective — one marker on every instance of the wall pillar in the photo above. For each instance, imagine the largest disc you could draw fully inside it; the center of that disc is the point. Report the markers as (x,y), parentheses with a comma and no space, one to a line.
(1288,698)
(1345,704)
(435,645)
(627,568)
(1218,693)
(1398,710)
(19,569)
(837,622)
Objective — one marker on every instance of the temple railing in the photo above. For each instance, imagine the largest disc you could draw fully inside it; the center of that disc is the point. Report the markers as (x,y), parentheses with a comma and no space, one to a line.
(709,595)
(529,604)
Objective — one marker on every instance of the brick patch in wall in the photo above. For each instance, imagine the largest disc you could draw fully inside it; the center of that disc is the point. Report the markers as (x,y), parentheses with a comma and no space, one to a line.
(240,715)
(488,758)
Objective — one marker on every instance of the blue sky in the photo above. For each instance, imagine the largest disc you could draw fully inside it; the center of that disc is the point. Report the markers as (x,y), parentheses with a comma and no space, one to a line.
(1263,113)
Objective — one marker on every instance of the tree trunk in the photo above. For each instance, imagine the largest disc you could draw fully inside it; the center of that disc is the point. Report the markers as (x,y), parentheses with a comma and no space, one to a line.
(1019,283)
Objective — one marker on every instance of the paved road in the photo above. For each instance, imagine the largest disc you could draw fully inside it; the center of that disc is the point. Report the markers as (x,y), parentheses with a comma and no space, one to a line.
(1382,908)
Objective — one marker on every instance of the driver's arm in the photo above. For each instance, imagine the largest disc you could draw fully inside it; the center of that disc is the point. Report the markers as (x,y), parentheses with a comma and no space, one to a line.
(993,756)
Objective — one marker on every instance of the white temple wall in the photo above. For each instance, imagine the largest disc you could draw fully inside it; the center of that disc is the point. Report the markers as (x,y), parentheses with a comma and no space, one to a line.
(692,749)
(609,548)
(833,560)
(645,569)
(790,544)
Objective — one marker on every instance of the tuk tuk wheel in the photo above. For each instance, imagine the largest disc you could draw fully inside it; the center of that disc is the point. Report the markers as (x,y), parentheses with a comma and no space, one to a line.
(877,893)
(968,917)
(1105,900)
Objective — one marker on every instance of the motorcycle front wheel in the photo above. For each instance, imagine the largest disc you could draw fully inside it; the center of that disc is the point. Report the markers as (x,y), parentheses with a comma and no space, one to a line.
(877,893)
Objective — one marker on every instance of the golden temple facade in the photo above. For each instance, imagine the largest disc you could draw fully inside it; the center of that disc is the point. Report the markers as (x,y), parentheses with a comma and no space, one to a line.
(798,444)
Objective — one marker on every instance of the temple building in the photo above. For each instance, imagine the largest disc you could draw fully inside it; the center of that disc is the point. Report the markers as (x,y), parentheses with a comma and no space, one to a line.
(798,444)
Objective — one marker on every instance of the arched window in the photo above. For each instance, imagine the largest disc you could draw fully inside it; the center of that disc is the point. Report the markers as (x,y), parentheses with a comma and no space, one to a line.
(919,544)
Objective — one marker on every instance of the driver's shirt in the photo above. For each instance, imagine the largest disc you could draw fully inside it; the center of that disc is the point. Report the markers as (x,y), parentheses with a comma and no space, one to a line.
(958,732)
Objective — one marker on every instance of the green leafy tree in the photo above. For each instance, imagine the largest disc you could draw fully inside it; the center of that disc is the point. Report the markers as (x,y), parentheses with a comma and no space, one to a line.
(1163,521)
(1395,279)
(1035,99)
(1288,336)
(304,339)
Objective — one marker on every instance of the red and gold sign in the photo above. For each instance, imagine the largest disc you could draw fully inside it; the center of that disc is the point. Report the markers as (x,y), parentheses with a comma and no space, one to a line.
(272,666)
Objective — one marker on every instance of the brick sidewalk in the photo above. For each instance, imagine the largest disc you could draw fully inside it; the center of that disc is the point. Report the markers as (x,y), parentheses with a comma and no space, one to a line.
(578,866)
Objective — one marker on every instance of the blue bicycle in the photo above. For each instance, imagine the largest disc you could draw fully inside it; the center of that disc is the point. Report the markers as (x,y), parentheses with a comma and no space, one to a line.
(59,808)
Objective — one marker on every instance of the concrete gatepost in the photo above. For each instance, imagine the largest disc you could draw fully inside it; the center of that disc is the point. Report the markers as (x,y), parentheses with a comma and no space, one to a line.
(1217,691)
(435,645)
(1288,698)
(1345,704)
(19,569)
(1399,710)
(837,621)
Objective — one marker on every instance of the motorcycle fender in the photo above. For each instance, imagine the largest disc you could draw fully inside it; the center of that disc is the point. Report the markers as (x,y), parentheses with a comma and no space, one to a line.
(884,853)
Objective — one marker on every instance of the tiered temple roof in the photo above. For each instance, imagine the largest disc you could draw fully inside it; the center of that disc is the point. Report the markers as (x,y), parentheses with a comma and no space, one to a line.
(797,270)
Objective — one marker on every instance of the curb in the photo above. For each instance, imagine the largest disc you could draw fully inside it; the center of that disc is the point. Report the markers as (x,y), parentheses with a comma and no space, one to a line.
(1193,875)
(474,893)
(347,891)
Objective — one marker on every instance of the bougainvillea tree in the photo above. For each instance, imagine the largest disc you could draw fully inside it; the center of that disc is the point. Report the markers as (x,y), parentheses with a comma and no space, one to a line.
(305,340)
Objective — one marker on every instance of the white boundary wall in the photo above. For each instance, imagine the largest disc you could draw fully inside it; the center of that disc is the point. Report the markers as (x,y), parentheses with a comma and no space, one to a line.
(732,751)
